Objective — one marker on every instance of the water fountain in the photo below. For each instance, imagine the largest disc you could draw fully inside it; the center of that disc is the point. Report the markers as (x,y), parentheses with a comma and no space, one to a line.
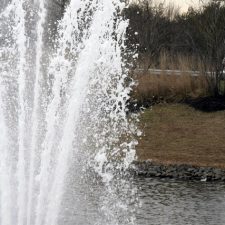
(65,133)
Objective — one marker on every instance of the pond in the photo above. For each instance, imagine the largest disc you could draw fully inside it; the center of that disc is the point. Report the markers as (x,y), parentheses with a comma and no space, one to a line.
(158,202)
(172,202)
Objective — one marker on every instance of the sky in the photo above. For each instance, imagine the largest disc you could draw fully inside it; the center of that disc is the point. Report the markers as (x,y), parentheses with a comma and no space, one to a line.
(184,4)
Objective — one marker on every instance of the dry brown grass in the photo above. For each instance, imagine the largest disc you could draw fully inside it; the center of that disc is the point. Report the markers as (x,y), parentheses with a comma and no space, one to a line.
(178,134)
(179,62)
(171,61)
(171,87)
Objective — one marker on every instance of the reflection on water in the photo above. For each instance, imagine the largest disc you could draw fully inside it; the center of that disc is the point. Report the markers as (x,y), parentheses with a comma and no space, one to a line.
(161,202)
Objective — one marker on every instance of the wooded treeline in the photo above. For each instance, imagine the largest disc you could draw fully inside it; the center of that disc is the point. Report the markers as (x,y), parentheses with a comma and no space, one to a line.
(156,29)
(200,33)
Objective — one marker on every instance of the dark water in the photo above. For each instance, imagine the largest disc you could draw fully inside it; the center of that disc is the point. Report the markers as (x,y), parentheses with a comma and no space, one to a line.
(169,202)
(160,202)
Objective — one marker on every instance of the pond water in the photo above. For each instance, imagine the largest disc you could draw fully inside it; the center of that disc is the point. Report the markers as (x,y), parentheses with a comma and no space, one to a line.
(160,202)
(166,202)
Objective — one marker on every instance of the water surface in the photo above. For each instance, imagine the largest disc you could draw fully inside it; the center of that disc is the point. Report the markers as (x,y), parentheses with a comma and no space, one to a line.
(161,202)
(166,202)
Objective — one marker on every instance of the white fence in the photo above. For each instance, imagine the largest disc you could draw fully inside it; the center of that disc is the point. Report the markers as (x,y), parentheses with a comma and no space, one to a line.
(173,72)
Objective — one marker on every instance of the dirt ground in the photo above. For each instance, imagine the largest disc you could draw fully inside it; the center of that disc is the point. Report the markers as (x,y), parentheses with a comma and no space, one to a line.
(180,134)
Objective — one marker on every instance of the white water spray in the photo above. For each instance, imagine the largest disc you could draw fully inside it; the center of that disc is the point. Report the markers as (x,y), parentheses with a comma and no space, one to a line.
(5,187)
(85,98)
(21,69)
(36,103)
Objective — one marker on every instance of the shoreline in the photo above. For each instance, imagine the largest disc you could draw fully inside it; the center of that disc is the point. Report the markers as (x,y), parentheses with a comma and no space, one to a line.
(181,142)
(178,171)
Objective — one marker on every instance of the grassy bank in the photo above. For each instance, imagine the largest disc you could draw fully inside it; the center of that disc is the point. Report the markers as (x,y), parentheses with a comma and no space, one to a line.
(169,88)
(173,87)
(179,134)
